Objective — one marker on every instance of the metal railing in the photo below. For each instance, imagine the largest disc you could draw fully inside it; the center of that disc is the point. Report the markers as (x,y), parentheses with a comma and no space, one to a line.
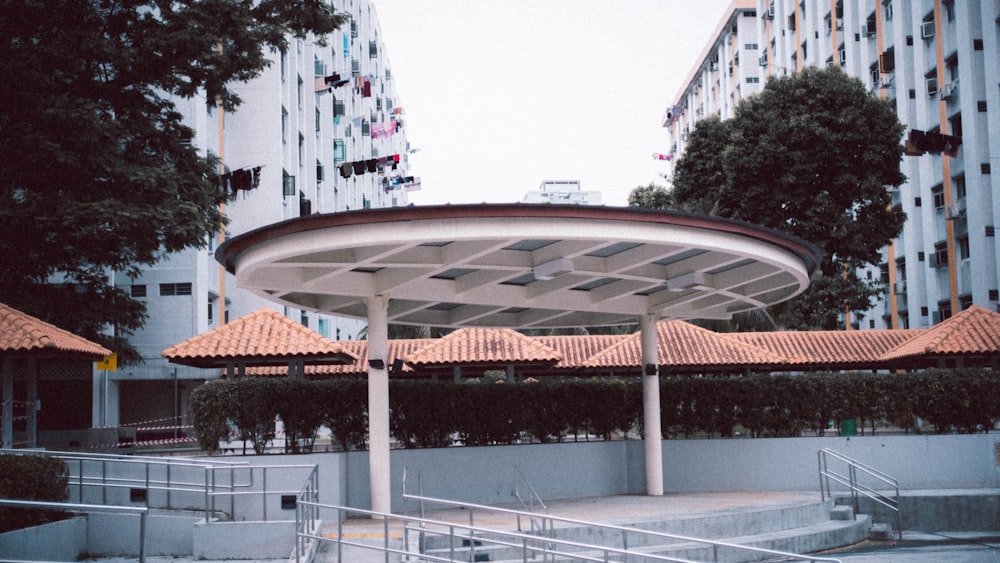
(850,479)
(87,508)
(463,540)
(532,505)
(307,514)
(205,485)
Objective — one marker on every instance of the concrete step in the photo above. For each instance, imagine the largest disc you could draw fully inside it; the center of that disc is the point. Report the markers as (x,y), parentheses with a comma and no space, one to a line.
(807,539)
(719,524)
(799,529)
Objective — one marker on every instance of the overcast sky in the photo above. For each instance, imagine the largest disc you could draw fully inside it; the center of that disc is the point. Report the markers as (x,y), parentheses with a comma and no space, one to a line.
(501,95)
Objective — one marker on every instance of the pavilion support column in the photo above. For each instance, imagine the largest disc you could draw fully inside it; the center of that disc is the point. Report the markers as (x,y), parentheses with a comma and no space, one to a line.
(378,404)
(652,438)
(7,399)
(31,402)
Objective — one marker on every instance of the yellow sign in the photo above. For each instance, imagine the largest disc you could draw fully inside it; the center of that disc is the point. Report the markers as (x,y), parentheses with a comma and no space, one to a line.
(108,363)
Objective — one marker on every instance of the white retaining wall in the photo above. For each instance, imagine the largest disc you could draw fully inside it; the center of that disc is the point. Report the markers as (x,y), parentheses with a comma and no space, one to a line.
(586,469)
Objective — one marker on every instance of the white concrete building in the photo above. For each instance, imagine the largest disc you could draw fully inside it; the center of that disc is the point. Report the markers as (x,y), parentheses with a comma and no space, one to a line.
(320,131)
(938,61)
(563,192)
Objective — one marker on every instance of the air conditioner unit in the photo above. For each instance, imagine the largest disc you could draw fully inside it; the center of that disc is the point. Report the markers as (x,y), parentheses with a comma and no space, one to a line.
(770,11)
(843,57)
(927,29)
(947,91)
(886,81)
(762,60)
(320,67)
(955,211)
(932,86)
(934,262)
(899,288)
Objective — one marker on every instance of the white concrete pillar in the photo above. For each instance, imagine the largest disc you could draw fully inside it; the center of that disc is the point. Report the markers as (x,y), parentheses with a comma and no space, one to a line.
(652,438)
(31,402)
(7,398)
(378,404)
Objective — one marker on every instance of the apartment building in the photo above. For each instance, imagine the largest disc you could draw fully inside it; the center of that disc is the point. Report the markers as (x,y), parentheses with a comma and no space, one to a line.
(938,62)
(320,131)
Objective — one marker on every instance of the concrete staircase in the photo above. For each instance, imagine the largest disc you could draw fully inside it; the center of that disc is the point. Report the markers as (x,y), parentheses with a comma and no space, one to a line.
(806,528)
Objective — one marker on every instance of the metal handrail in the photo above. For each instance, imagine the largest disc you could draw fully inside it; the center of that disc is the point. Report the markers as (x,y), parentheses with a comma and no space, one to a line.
(214,490)
(215,479)
(471,507)
(85,508)
(307,519)
(536,526)
(528,543)
(855,486)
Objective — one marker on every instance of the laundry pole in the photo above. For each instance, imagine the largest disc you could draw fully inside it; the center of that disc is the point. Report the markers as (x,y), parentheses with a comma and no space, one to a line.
(652,438)
(378,404)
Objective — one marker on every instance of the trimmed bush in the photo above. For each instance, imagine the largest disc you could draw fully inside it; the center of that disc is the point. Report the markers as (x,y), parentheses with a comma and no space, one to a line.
(431,414)
(31,477)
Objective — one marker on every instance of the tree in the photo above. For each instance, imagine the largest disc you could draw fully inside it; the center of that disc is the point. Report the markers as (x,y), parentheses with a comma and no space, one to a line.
(651,197)
(814,155)
(700,177)
(98,171)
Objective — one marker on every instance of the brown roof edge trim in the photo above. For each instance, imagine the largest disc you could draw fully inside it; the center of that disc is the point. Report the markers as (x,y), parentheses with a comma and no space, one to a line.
(227,252)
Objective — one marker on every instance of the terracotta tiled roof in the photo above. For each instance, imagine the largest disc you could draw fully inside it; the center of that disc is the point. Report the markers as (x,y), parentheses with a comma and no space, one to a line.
(22,333)
(359,367)
(974,331)
(577,349)
(483,346)
(263,337)
(827,348)
(684,345)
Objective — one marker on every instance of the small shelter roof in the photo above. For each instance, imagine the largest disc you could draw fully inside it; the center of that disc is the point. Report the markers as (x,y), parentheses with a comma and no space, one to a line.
(21,333)
(262,338)
(483,346)
(972,332)
(837,349)
(683,346)
(577,349)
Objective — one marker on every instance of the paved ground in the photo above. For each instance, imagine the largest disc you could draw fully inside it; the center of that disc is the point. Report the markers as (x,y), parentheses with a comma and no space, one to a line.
(955,547)
(914,548)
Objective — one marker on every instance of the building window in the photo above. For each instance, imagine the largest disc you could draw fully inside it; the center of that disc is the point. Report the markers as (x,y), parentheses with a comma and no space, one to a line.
(138,290)
(750,46)
(299,94)
(887,8)
(949,10)
(753,80)
(952,65)
(959,182)
(339,150)
(963,247)
(304,318)
(955,124)
(211,311)
(172,289)
(938,193)
(940,257)
(284,126)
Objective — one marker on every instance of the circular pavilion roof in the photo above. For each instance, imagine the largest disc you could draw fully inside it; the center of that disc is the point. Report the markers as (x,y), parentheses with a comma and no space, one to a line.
(520,265)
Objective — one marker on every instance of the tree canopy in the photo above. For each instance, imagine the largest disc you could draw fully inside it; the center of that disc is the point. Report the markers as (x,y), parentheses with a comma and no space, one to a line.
(98,170)
(814,154)
(651,197)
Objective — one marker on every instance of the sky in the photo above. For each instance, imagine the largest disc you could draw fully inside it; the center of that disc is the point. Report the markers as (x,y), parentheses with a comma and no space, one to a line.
(501,95)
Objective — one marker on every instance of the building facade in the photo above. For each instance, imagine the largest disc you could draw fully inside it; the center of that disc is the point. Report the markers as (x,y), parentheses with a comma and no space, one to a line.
(938,62)
(320,131)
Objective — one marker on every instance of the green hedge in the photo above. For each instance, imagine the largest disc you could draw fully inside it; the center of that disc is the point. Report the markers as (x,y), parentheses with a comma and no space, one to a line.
(437,414)
(30,477)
